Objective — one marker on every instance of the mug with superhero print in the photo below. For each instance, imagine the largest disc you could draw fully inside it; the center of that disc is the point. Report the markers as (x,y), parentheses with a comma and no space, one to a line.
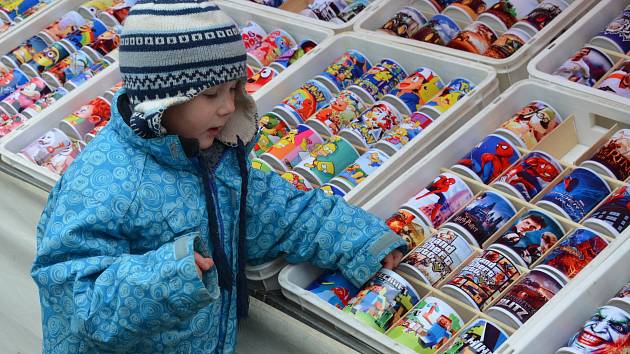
(83,120)
(409,127)
(292,148)
(302,103)
(438,201)
(530,176)
(439,30)
(409,226)
(437,257)
(327,160)
(415,90)
(10,81)
(482,217)
(379,80)
(46,146)
(272,47)
(482,336)
(383,300)
(529,237)
(297,180)
(372,125)
(526,297)
(350,66)
(252,34)
(67,69)
(576,194)
(272,127)
(260,79)
(364,166)
(573,253)
(618,81)
(613,215)
(507,44)
(616,36)
(25,96)
(488,159)
(483,279)
(466,11)
(541,16)
(428,326)
(454,91)
(342,110)
(25,52)
(47,58)
(606,332)
(476,38)
(405,23)
(613,158)
(333,288)
(530,124)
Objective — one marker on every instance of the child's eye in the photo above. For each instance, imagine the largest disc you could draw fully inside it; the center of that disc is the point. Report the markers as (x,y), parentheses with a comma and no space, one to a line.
(211,94)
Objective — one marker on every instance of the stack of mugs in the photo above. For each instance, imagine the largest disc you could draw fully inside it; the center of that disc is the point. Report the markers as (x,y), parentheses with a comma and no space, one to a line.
(268,54)
(14,12)
(593,64)
(493,28)
(504,239)
(58,59)
(58,147)
(333,11)
(338,128)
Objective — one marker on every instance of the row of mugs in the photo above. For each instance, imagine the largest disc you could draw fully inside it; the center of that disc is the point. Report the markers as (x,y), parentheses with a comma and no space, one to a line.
(593,66)
(498,31)
(57,148)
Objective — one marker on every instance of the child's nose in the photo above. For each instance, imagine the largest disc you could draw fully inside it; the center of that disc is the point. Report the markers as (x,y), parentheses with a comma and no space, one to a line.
(227,106)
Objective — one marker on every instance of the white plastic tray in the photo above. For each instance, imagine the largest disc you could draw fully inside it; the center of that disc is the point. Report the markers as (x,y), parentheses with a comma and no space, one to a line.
(299,31)
(310,22)
(36,23)
(510,70)
(589,122)
(593,22)
(410,58)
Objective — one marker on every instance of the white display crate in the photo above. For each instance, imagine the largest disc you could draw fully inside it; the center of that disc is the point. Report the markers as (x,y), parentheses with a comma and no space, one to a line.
(510,70)
(576,37)
(37,22)
(410,58)
(308,21)
(588,123)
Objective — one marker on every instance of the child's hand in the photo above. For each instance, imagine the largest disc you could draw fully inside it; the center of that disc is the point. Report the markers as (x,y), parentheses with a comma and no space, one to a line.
(203,264)
(392,260)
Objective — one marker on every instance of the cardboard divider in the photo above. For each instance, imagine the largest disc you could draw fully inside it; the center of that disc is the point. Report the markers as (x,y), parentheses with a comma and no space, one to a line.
(595,147)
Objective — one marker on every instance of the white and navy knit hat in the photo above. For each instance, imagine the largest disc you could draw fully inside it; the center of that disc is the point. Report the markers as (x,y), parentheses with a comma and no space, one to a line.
(171,51)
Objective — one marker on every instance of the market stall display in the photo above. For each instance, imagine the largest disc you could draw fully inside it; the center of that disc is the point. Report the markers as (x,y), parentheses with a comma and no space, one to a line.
(591,57)
(523,257)
(502,34)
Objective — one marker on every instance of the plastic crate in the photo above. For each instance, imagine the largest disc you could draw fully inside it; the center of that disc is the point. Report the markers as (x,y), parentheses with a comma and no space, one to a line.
(510,70)
(588,123)
(308,21)
(578,35)
(410,58)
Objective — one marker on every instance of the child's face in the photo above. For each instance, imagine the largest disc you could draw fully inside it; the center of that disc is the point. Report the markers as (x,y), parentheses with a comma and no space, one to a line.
(203,117)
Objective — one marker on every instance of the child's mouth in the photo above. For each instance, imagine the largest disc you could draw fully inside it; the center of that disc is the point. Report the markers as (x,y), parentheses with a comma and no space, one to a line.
(212,132)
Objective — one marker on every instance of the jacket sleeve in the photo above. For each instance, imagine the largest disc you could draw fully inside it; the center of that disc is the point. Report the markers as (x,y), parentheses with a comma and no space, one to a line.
(91,282)
(313,227)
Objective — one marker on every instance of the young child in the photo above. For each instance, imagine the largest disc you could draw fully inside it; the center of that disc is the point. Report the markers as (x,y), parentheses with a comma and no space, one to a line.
(143,243)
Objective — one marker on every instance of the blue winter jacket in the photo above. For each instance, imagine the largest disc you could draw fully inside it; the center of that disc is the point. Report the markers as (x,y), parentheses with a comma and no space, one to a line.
(115,244)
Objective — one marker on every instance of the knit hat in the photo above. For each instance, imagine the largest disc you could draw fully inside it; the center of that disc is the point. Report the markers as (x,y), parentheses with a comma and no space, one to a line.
(173,50)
